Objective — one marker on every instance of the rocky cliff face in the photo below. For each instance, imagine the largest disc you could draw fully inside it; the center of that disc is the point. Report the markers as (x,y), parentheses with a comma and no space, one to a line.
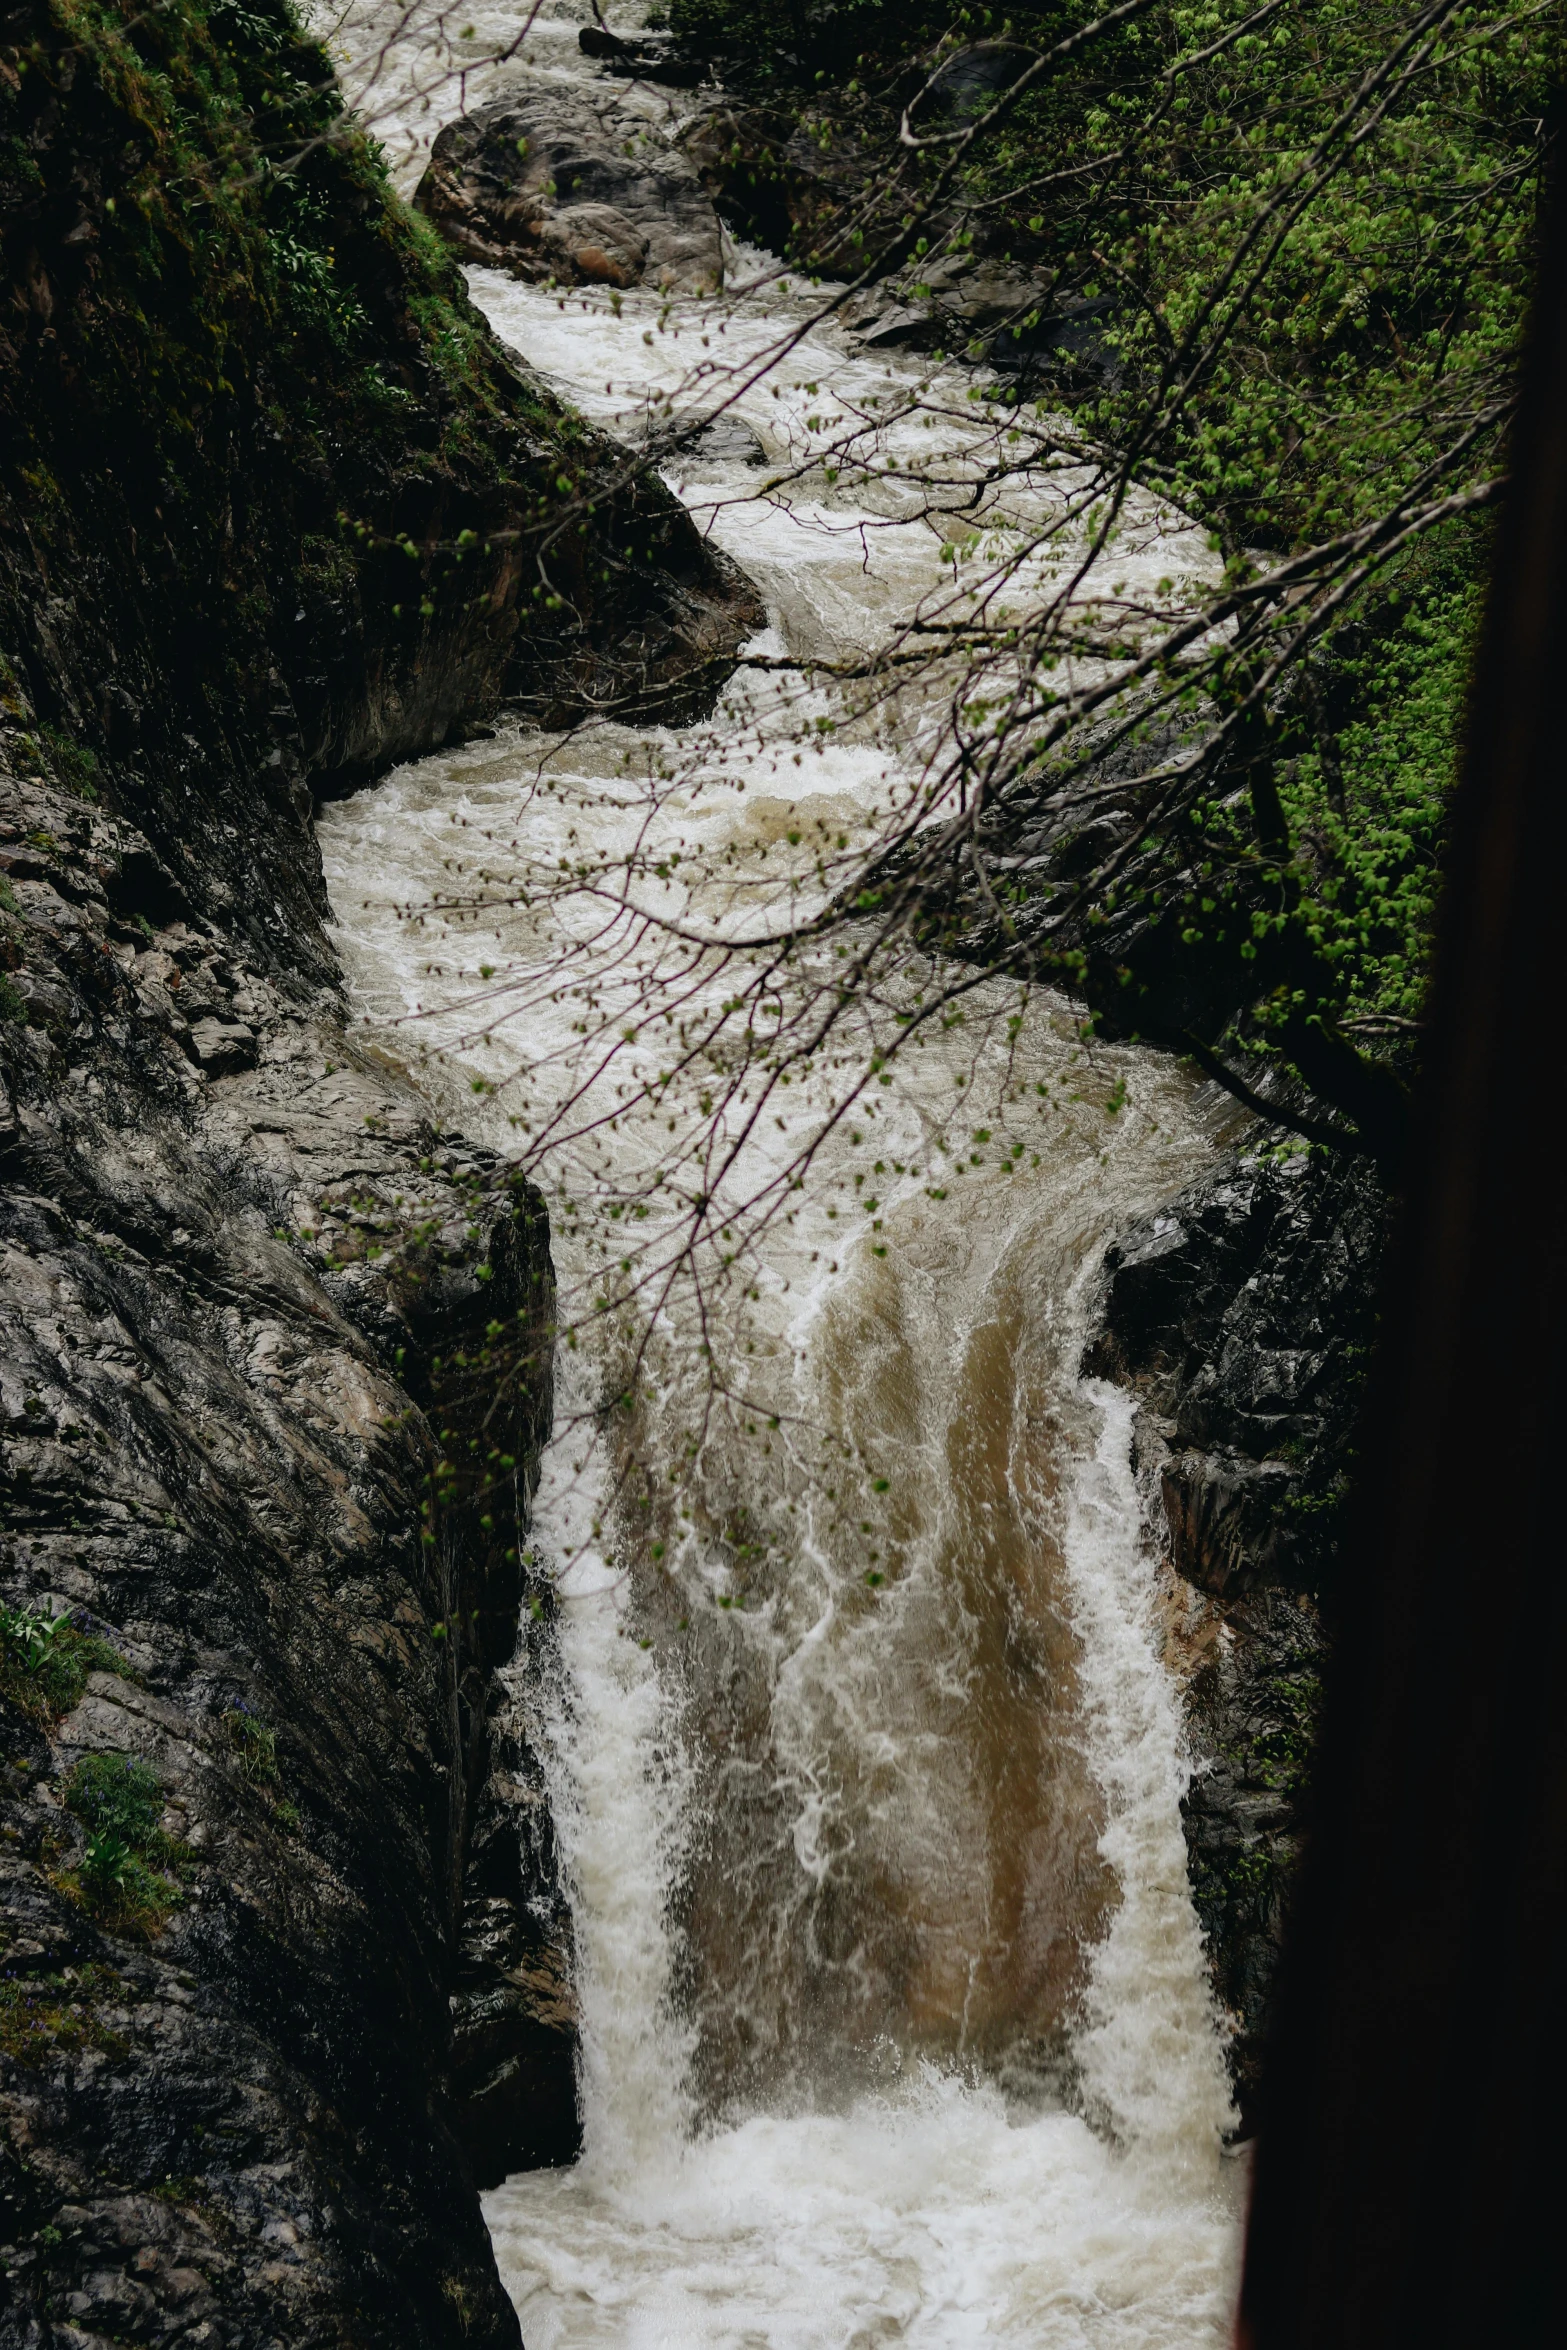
(1244,1313)
(283,1958)
(248,1673)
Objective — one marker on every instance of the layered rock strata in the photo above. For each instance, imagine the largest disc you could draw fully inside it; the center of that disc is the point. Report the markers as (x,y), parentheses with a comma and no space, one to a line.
(255,1316)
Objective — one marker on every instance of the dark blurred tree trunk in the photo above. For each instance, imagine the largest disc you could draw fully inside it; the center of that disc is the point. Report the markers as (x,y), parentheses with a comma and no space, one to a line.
(1416,2091)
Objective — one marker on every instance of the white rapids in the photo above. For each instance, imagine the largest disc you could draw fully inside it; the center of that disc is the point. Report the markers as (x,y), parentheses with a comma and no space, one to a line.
(865,1763)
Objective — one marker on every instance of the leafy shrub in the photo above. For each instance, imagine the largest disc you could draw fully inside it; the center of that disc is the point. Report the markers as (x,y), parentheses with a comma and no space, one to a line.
(120,1803)
(45,1659)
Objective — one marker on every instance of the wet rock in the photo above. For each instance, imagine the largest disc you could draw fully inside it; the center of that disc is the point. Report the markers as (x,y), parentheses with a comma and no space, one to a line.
(649,58)
(790,183)
(968,83)
(274,1374)
(1254,1703)
(1243,1313)
(964,305)
(575,186)
(687,452)
(727,440)
(514,2016)
(274,1346)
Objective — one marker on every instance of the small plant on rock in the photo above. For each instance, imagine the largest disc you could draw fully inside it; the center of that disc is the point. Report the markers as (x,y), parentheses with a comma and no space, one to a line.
(44,2016)
(120,1803)
(45,1659)
(254,1743)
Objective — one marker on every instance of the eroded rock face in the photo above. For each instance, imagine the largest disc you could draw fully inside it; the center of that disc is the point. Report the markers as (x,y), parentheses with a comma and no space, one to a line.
(1245,1310)
(577,186)
(512,2066)
(1244,1313)
(274,1372)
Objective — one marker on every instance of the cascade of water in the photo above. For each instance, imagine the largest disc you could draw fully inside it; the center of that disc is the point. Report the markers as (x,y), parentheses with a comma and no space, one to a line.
(865,1767)
(1150,2060)
(617,1797)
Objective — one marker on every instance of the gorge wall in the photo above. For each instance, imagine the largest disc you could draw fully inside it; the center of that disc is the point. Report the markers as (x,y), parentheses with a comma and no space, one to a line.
(1243,1315)
(284,1962)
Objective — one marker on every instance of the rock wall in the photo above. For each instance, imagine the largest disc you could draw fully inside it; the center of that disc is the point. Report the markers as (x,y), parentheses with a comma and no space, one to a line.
(283,1961)
(225,1293)
(1244,1314)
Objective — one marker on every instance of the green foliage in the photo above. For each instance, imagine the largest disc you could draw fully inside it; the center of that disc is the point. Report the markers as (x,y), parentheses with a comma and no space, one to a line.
(43,2017)
(45,1660)
(1297,247)
(74,764)
(120,1803)
(254,1743)
(113,1795)
(1370,809)
(1342,318)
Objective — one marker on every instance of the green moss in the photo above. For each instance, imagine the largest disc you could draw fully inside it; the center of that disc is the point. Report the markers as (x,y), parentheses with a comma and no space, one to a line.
(44,2017)
(267,343)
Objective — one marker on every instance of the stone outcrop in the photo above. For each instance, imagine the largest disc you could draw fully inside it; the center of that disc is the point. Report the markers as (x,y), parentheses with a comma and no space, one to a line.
(1243,1313)
(283,1958)
(245,1308)
(573,185)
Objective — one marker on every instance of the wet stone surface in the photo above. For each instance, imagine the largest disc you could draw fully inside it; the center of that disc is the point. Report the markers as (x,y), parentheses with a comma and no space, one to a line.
(575,186)
(1243,1315)
(226,1282)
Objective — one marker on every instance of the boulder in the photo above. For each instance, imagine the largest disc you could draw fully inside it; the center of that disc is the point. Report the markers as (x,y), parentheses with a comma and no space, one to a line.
(968,84)
(655,59)
(221,1046)
(576,186)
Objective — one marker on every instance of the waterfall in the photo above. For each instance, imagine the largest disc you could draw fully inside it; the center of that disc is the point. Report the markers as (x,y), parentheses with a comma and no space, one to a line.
(618,1798)
(865,1765)
(1151,2064)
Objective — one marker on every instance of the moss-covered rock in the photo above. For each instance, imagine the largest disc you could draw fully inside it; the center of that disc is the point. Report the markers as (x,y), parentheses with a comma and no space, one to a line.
(276,507)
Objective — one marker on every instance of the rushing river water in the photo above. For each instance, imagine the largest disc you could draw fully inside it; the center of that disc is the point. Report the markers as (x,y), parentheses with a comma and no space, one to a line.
(865,1764)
